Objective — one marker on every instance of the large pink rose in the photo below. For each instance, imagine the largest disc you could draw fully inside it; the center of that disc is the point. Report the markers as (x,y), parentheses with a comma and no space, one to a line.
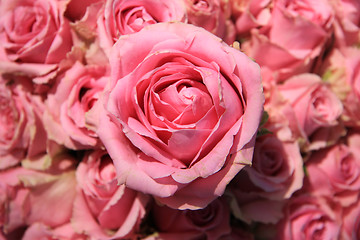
(69,116)
(308,218)
(214,16)
(34,36)
(212,222)
(102,208)
(121,17)
(180,120)
(280,45)
(316,107)
(22,134)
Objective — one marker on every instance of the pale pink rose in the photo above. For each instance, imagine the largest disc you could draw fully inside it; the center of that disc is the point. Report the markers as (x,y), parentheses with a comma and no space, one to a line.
(250,14)
(347,22)
(280,45)
(214,16)
(351,221)
(22,134)
(121,17)
(335,172)
(34,36)
(102,208)
(212,222)
(38,231)
(69,117)
(307,217)
(341,70)
(30,194)
(315,105)
(185,117)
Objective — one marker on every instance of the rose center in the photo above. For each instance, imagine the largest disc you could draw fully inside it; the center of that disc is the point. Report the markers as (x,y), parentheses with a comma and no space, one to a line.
(137,18)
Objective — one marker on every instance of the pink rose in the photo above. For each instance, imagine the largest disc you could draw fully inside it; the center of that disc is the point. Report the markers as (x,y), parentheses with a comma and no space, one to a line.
(315,105)
(351,221)
(335,172)
(308,218)
(102,208)
(212,222)
(69,117)
(250,14)
(280,46)
(34,36)
(275,174)
(341,70)
(185,117)
(121,17)
(38,231)
(214,16)
(75,9)
(347,22)
(22,134)
(30,194)
(276,171)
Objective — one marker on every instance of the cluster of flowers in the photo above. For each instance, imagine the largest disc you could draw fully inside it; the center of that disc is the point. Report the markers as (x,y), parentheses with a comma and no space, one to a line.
(179,119)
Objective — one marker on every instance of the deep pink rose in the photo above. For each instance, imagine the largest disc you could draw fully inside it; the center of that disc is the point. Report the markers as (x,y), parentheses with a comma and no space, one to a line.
(214,16)
(102,208)
(280,45)
(22,134)
(212,222)
(308,218)
(185,117)
(276,171)
(75,9)
(69,117)
(335,172)
(342,71)
(34,36)
(275,174)
(30,194)
(121,17)
(315,105)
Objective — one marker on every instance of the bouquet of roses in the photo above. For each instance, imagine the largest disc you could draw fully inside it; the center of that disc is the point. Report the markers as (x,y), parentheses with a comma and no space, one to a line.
(179,119)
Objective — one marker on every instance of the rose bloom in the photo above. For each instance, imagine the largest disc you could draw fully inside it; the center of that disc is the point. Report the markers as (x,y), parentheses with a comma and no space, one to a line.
(316,106)
(34,36)
(250,14)
(335,172)
(28,195)
(121,17)
(102,208)
(212,222)
(38,231)
(214,16)
(307,217)
(347,22)
(351,221)
(279,45)
(22,134)
(180,120)
(68,116)
(342,70)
